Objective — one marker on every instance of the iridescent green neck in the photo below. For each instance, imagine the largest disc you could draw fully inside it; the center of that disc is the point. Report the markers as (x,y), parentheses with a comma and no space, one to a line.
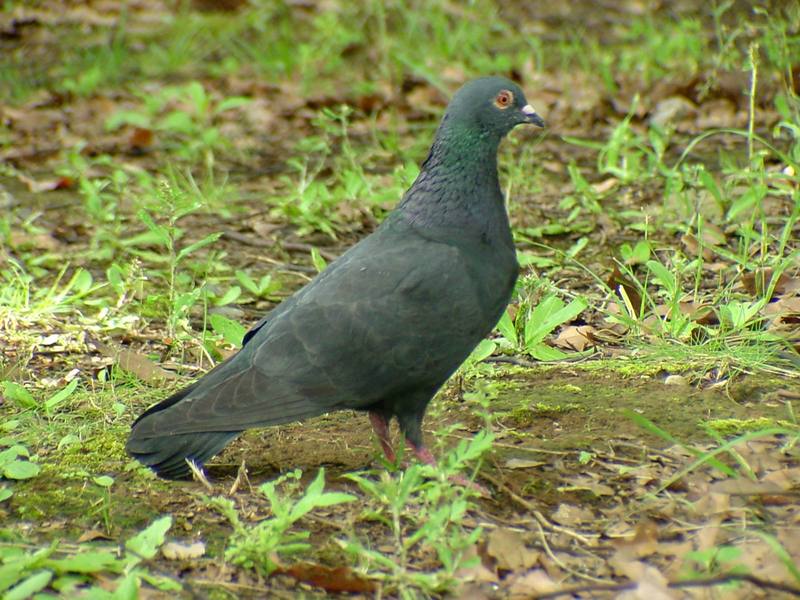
(458,185)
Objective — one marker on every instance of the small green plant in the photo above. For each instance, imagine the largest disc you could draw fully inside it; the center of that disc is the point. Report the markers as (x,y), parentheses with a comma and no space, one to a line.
(531,326)
(261,546)
(103,504)
(175,205)
(263,288)
(709,457)
(25,572)
(22,300)
(230,330)
(186,116)
(16,463)
(422,511)
(714,561)
(627,155)
(25,400)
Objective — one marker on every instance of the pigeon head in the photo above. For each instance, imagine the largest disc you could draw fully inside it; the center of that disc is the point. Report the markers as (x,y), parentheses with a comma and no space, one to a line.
(491,107)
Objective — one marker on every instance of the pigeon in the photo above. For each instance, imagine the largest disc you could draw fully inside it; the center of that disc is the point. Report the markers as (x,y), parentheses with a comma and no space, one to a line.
(384,326)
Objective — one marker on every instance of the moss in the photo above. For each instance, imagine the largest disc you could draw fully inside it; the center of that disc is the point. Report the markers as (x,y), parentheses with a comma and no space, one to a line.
(565,387)
(638,367)
(729,427)
(553,409)
(39,499)
(521,417)
(103,450)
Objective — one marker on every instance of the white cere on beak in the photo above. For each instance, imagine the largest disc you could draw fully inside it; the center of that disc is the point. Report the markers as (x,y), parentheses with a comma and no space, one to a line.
(528,110)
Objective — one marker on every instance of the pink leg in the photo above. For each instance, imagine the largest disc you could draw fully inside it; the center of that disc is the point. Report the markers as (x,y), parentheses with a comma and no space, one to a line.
(381,427)
(425,456)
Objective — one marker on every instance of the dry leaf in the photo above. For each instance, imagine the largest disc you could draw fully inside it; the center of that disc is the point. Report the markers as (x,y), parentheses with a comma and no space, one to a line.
(531,584)
(91,535)
(643,543)
(670,110)
(508,549)
(606,185)
(652,585)
(567,514)
(576,337)
(47,185)
(331,579)
(135,363)
(523,463)
(478,573)
(140,139)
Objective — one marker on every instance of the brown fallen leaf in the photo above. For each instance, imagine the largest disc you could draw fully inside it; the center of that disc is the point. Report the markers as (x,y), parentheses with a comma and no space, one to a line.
(671,110)
(531,584)
(93,534)
(651,584)
(47,185)
(37,241)
(135,363)
(330,579)
(568,514)
(523,463)
(478,572)
(757,281)
(625,289)
(576,337)
(141,139)
(693,247)
(507,549)
(643,543)
(745,487)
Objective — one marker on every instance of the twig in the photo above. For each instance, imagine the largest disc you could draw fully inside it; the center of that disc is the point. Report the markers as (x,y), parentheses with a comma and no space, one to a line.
(199,475)
(289,267)
(540,518)
(512,446)
(689,583)
(513,360)
(521,362)
(247,240)
(241,475)
(263,591)
(301,247)
(560,562)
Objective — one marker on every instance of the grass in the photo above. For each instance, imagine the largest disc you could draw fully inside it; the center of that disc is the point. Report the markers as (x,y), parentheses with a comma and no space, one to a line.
(674,240)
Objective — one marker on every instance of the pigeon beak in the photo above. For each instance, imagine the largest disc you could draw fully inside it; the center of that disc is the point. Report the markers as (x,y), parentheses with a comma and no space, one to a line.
(531,116)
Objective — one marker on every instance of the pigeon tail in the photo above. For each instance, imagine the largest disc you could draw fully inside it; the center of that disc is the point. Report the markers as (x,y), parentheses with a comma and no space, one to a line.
(167,454)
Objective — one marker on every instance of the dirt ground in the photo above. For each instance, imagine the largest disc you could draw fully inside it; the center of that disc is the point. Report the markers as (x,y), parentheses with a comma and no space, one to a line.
(610,474)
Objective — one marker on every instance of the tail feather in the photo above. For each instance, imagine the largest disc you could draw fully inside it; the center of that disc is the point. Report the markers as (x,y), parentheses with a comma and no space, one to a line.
(167,454)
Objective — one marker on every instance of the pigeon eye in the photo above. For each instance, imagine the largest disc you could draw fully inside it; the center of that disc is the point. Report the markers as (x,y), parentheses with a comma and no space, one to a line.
(504,99)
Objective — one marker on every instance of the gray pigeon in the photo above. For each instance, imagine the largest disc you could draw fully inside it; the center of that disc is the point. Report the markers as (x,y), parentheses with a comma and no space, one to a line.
(384,326)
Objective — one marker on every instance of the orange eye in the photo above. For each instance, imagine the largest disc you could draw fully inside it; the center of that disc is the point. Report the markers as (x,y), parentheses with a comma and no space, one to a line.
(504,99)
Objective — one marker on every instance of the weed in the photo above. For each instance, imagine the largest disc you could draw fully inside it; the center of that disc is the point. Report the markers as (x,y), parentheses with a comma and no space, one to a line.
(532,324)
(26,572)
(422,511)
(259,547)
(175,205)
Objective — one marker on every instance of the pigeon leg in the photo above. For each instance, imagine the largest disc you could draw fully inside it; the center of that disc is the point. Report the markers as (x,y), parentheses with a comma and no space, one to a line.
(381,427)
(426,456)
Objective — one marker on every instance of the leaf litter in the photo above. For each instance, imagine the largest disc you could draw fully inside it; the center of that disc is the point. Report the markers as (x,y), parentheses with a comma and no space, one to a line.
(603,528)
